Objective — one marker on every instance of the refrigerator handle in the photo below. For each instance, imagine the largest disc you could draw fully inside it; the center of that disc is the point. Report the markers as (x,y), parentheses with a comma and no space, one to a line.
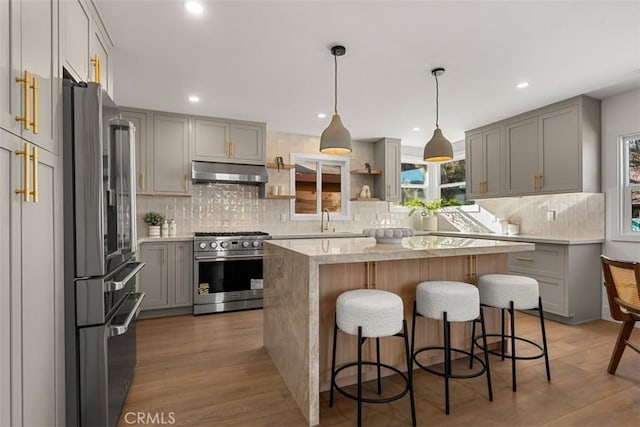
(115,330)
(113,285)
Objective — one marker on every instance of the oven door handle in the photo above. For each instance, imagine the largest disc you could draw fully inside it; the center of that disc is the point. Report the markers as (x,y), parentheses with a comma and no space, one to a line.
(114,285)
(115,330)
(226,257)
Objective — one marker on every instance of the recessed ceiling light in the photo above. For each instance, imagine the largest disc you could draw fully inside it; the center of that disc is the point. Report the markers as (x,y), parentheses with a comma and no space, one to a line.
(522,85)
(194,99)
(416,129)
(321,115)
(194,7)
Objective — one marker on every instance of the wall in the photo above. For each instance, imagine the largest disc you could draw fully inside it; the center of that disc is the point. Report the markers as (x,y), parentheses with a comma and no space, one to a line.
(233,207)
(620,116)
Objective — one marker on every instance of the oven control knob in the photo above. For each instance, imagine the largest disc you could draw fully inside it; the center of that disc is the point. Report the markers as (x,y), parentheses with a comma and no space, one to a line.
(245,244)
(224,244)
(213,245)
(256,243)
(203,245)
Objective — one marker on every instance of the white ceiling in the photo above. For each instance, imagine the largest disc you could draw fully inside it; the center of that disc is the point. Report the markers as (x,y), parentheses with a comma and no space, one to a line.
(270,60)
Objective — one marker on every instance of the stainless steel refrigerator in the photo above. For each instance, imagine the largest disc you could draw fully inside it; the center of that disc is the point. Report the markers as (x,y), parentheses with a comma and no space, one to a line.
(101,301)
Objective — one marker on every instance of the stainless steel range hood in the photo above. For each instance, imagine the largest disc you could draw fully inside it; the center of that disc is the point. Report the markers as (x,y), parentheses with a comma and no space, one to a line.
(229,173)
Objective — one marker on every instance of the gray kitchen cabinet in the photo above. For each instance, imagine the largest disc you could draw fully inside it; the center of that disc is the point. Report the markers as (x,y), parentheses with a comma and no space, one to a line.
(569,277)
(387,156)
(169,152)
(31,296)
(228,141)
(484,163)
(29,53)
(139,120)
(85,48)
(555,149)
(167,276)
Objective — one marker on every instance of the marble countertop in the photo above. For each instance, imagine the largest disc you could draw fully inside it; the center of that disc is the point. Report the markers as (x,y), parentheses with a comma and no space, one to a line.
(325,235)
(533,238)
(361,249)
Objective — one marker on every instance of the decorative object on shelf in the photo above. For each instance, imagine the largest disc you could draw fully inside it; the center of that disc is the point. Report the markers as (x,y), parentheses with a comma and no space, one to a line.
(365,193)
(438,149)
(389,235)
(279,163)
(336,139)
(154,220)
(172,228)
(165,228)
(367,166)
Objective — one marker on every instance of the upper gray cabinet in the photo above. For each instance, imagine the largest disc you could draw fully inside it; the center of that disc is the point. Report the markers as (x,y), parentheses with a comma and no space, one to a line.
(484,157)
(86,48)
(555,149)
(228,141)
(386,154)
(162,152)
(29,72)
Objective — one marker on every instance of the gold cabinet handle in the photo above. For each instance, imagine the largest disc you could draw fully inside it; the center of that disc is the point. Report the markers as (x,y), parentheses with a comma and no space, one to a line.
(233,148)
(468,274)
(535,182)
(34,87)
(96,68)
(25,191)
(367,276)
(521,258)
(34,157)
(186,183)
(540,184)
(142,186)
(26,80)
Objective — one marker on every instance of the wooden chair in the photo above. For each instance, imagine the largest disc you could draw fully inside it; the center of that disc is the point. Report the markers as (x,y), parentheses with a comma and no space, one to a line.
(622,281)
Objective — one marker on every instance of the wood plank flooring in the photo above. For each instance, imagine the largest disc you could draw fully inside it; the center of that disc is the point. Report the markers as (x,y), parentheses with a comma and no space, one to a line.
(213,371)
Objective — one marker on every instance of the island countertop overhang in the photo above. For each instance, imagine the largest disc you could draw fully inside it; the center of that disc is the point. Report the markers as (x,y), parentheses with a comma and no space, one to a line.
(363,249)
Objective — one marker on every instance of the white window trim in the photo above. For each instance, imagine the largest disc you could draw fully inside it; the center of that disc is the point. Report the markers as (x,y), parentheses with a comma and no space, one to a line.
(623,203)
(344,162)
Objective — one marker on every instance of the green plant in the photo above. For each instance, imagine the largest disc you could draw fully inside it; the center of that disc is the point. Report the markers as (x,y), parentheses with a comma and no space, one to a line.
(153,218)
(429,206)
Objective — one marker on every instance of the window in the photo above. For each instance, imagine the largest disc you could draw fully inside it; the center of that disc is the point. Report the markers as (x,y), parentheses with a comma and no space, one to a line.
(413,181)
(320,182)
(453,181)
(630,200)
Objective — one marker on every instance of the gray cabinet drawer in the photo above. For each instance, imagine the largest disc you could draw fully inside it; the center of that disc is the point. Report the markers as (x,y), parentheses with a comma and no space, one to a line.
(546,260)
(553,294)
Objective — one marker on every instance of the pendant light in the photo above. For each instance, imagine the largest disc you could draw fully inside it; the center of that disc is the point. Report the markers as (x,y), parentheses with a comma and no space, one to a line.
(336,139)
(438,149)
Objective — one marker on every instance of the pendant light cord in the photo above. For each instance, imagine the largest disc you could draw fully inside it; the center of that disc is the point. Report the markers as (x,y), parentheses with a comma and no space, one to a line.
(335,85)
(437,96)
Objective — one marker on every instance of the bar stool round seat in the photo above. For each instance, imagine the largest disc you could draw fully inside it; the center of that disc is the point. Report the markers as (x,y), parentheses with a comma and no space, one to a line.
(379,313)
(371,313)
(510,292)
(450,302)
(498,290)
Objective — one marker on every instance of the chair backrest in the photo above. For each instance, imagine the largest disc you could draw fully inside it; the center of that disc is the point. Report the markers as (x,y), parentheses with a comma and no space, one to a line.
(622,281)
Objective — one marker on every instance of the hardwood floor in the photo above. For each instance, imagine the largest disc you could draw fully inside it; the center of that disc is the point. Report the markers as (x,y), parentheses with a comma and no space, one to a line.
(212,371)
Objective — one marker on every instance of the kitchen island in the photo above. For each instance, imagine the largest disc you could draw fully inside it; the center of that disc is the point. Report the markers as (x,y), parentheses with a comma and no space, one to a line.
(303,278)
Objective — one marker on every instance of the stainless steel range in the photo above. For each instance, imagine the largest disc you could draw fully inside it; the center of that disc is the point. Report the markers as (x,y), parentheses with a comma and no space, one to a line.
(227,271)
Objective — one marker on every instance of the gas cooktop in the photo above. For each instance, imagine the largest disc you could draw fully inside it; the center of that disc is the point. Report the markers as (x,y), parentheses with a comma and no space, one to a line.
(229,233)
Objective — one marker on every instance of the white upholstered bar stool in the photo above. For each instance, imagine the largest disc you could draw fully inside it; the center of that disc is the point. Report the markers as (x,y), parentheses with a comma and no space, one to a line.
(449,302)
(511,292)
(371,313)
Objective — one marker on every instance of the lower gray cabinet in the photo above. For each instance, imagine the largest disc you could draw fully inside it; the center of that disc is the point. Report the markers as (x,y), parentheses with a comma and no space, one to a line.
(569,277)
(167,276)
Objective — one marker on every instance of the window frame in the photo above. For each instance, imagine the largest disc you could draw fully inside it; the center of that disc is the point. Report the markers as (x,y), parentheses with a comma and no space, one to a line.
(320,159)
(625,188)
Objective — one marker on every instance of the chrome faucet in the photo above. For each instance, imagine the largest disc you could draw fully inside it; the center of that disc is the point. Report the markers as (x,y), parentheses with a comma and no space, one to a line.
(323,226)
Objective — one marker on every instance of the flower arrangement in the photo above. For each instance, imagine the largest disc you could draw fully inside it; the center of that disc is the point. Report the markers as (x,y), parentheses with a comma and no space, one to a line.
(153,218)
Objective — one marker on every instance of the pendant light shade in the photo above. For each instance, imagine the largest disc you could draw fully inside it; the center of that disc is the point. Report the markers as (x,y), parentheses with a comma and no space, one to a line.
(336,139)
(438,148)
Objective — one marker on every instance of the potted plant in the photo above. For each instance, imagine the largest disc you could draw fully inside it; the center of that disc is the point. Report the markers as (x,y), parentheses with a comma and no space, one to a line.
(154,220)
(427,209)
